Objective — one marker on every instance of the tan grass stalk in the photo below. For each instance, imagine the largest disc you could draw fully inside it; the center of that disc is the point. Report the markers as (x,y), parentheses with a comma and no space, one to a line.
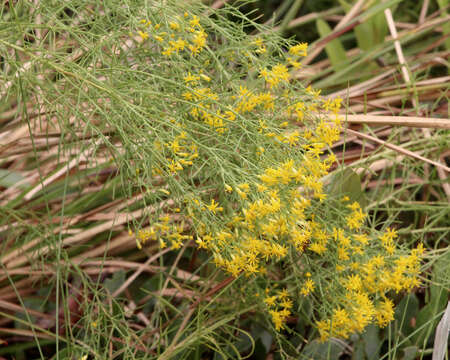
(409,121)
(139,271)
(29,333)
(342,27)
(17,308)
(83,157)
(13,259)
(423,11)
(399,149)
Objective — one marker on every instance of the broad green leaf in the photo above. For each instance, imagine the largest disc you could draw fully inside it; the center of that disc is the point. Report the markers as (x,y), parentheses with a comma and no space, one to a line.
(372,31)
(405,311)
(63,354)
(260,333)
(260,351)
(322,351)
(364,35)
(290,14)
(441,339)
(345,5)
(263,340)
(424,322)
(379,25)
(115,281)
(372,342)
(441,270)
(444,4)
(437,300)
(379,28)
(10,178)
(266,339)
(334,49)
(347,183)
(29,304)
(244,343)
(358,350)
(410,352)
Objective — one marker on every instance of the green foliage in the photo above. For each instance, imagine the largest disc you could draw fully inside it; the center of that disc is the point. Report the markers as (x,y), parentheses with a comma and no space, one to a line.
(10,178)
(335,50)
(443,5)
(347,183)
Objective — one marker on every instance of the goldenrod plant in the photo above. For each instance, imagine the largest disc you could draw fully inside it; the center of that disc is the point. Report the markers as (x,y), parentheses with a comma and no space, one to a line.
(241,151)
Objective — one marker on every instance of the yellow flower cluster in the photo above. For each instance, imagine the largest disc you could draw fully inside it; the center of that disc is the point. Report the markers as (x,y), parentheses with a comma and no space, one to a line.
(387,239)
(356,218)
(361,292)
(182,153)
(246,151)
(308,286)
(279,73)
(265,228)
(260,46)
(279,307)
(162,231)
(178,36)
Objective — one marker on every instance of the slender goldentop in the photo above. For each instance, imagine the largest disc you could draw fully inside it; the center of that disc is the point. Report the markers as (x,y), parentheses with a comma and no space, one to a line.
(238,155)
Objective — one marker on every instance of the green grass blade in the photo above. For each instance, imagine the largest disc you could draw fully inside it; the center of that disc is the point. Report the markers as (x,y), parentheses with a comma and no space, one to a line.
(334,49)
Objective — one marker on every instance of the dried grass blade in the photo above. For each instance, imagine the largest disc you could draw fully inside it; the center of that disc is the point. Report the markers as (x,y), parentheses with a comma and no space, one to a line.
(399,149)
(409,121)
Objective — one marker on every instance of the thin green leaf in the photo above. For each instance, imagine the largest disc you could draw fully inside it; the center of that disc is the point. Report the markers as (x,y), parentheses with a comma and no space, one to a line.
(334,49)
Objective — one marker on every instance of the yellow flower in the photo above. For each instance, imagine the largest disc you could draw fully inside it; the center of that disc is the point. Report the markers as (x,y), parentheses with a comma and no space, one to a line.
(317,248)
(299,49)
(195,21)
(213,207)
(353,283)
(174,26)
(283,294)
(270,301)
(279,317)
(205,77)
(201,244)
(287,303)
(307,288)
(385,312)
(244,187)
(174,166)
(314,93)
(273,77)
(191,78)
(143,35)
(361,238)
